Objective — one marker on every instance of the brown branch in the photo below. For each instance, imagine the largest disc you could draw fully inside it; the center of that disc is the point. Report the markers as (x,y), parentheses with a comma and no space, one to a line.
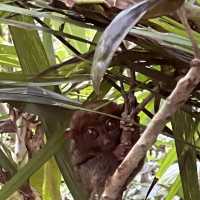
(178,97)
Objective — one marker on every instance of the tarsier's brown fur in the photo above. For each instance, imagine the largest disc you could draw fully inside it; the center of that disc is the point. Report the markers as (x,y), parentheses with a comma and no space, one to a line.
(96,147)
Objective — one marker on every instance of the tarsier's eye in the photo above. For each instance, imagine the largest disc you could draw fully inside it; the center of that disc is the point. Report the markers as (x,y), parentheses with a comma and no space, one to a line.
(92,132)
(110,124)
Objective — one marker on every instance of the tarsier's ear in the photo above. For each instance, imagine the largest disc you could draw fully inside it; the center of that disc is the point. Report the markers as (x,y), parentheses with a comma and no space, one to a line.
(68,134)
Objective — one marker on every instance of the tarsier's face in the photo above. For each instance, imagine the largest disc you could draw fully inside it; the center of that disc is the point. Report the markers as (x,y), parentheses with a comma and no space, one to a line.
(95,132)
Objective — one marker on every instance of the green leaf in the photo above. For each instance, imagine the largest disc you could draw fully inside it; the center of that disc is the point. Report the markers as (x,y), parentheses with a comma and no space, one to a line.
(174,188)
(80,32)
(7,61)
(36,95)
(37,179)
(52,179)
(31,12)
(184,127)
(169,159)
(30,51)
(48,44)
(113,36)
(29,26)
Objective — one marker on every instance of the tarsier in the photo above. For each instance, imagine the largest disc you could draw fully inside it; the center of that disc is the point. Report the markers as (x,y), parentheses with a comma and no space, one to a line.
(98,146)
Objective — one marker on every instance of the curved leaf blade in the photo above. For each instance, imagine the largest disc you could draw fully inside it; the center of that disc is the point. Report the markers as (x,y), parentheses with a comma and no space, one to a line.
(113,36)
(184,128)
(36,95)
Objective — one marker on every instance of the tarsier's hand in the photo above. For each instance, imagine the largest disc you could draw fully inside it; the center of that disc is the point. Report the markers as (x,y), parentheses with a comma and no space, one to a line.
(129,127)
(128,122)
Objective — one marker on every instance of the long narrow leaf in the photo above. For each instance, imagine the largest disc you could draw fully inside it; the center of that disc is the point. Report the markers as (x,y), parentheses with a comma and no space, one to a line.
(28,26)
(113,36)
(36,95)
(184,127)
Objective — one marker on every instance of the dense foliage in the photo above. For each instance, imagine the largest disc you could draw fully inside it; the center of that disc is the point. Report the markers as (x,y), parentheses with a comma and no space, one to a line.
(46,55)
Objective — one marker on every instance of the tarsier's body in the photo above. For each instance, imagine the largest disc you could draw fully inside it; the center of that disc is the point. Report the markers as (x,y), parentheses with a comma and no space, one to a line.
(95,140)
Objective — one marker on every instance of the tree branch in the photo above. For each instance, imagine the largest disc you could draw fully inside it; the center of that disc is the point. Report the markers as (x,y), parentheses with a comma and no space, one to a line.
(178,97)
